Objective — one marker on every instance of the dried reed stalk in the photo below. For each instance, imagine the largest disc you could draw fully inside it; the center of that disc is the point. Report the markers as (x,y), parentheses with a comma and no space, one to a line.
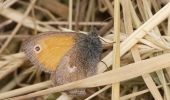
(116,48)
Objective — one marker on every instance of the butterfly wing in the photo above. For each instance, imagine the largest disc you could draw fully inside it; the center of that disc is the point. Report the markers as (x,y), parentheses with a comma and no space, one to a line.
(46,50)
(69,70)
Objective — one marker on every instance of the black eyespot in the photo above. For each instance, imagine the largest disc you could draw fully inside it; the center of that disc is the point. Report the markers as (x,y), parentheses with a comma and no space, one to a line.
(37,48)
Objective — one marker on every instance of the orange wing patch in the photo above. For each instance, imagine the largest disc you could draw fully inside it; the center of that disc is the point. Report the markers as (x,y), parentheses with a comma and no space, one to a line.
(53,49)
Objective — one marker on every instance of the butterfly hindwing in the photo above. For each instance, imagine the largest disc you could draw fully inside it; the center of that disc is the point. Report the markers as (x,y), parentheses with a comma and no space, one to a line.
(69,70)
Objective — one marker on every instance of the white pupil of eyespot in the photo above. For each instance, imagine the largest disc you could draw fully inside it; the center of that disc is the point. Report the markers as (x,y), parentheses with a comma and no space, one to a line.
(37,48)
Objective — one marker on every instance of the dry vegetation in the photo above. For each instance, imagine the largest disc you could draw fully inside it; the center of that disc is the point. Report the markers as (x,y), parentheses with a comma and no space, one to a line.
(136,43)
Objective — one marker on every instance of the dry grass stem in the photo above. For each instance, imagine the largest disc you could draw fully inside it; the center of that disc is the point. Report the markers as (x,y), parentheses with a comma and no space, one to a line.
(17,27)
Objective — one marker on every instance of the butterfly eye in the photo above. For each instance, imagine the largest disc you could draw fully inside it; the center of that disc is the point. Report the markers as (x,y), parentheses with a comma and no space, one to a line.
(37,48)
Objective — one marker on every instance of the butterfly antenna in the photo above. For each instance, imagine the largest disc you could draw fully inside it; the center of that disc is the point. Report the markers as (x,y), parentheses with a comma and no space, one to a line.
(105,65)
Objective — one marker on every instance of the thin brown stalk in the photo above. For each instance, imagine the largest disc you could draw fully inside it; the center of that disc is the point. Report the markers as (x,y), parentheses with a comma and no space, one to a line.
(70,17)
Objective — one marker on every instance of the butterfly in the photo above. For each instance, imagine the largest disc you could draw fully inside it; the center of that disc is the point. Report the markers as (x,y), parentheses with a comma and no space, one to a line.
(68,56)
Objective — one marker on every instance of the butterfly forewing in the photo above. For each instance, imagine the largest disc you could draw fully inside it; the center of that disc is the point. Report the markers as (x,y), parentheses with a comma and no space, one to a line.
(52,47)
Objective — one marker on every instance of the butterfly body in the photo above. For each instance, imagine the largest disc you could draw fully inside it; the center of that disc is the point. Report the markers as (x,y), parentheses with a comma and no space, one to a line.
(78,59)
